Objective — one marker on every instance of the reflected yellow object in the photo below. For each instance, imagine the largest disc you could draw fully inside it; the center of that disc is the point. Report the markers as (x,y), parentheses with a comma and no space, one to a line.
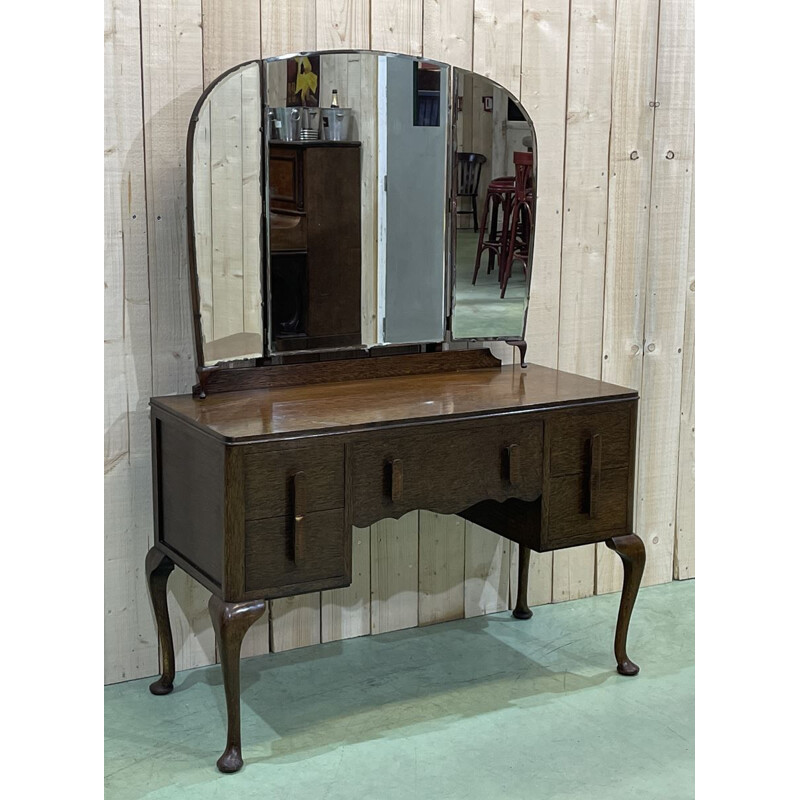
(306,79)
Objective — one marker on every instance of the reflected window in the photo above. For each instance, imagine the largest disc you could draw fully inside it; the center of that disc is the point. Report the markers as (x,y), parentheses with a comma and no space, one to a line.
(427,95)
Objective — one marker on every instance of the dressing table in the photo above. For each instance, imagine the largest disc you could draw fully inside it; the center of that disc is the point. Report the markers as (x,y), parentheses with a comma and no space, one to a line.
(260,474)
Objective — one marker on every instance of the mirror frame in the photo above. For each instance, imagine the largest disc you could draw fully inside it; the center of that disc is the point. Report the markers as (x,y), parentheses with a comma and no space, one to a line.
(271,361)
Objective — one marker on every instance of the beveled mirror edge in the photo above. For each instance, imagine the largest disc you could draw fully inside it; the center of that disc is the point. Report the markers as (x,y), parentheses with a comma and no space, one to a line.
(194,280)
(266,361)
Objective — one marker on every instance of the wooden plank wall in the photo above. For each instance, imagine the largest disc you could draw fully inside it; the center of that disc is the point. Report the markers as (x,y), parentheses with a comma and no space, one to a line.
(610,86)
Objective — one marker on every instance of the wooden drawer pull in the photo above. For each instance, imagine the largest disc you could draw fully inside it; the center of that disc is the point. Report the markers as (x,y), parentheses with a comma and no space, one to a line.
(299,507)
(397,480)
(513,464)
(595,466)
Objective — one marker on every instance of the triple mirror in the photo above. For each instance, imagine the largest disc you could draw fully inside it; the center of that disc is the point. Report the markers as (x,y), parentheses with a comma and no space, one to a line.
(355,200)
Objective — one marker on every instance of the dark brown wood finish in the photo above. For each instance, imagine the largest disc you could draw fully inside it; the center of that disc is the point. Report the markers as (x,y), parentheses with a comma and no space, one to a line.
(353,365)
(231,622)
(328,236)
(265,485)
(630,549)
(521,609)
(157,568)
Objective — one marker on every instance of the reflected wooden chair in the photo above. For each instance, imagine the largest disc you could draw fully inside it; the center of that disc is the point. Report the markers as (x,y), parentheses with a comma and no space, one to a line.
(469,178)
(520,228)
(499,196)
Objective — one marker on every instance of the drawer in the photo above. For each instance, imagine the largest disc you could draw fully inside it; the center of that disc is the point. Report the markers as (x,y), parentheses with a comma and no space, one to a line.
(568,518)
(269,476)
(445,468)
(285,179)
(277,554)
(572,432)
(287,232)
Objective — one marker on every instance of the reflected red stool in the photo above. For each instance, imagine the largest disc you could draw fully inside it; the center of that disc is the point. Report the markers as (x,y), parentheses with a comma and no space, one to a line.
(520,225)
(499,195)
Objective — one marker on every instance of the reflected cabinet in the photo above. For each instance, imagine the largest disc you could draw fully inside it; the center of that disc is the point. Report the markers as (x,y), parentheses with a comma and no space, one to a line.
(355,218)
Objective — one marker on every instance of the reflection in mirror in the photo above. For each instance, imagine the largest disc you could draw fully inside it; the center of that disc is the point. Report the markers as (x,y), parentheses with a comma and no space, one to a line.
(357,164)
(495,177)
(226,205)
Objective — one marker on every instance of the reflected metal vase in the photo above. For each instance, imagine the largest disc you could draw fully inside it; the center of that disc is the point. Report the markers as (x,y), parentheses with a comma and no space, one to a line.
(286,123)
(336,124)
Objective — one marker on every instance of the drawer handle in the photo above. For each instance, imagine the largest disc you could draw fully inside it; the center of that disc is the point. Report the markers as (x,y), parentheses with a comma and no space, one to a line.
(298,526)
(513,464)
(595,466)
(397,480)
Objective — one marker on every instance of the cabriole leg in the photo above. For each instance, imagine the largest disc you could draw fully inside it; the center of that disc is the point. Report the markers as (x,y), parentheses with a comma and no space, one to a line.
(630,549)
(521,611)
(231,621)
(158,568)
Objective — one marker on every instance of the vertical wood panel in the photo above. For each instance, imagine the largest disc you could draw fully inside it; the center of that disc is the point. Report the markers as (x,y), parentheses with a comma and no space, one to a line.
(395,573)
(231,35)
(173,80)
(251,200)
(447,31)
(545,44)
(227,272)
(294,622)
(485,572)
(288,27)
(667,265)
(497,47)
(130,644)
(396,27)
(346,612)
(441,567)
(630,156)
(580,336)
(543,92)
(343,24)
(684,522)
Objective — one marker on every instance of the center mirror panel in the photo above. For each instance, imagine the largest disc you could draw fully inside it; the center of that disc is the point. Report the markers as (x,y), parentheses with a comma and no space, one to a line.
(357,163)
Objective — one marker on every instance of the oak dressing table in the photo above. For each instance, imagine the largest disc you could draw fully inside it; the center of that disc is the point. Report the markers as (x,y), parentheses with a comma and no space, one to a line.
(259,476)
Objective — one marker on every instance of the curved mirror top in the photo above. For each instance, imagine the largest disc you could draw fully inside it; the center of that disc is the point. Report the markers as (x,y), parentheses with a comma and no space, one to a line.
(352,200)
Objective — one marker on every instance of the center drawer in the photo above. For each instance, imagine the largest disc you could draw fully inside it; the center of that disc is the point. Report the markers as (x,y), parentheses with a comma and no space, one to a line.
(445,467)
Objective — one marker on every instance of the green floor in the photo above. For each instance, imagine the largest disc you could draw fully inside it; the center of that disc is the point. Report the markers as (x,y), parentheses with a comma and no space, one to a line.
(484,708)
(479,311)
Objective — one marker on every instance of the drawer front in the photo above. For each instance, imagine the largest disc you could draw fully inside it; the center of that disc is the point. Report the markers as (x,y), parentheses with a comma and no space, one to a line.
(269,478)
(278,553)
(445,468)
(285,179)
(291,235)
(573,516)
(572,432)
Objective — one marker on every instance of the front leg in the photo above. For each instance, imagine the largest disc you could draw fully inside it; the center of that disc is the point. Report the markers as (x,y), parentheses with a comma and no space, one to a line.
(158,567)
(630,549)
(231,621)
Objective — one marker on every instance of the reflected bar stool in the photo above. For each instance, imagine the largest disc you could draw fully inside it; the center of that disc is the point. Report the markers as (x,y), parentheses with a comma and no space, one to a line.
(519,229)
(499,195)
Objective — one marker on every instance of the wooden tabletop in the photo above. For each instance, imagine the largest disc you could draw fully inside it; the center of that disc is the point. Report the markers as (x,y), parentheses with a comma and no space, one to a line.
(355,405)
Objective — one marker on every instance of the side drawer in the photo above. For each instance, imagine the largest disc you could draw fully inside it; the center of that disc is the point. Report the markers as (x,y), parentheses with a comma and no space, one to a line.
(570,517)
(278,555)
(270,469)
(571,432)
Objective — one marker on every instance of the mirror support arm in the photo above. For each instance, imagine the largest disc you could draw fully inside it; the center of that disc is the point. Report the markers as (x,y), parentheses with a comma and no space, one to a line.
(523,348)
